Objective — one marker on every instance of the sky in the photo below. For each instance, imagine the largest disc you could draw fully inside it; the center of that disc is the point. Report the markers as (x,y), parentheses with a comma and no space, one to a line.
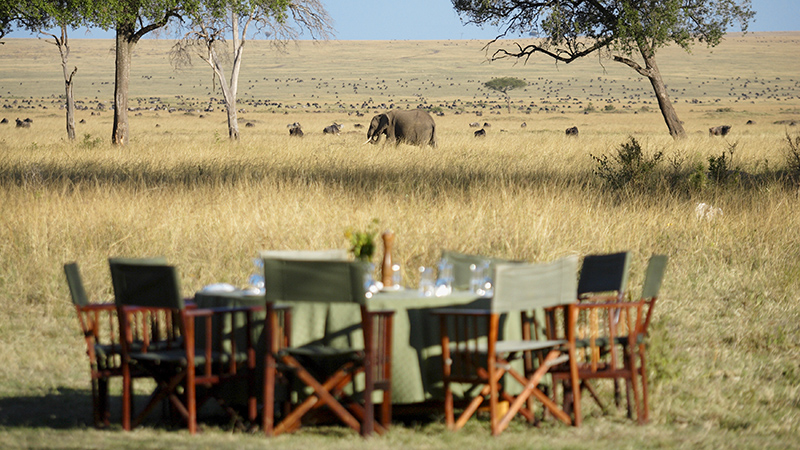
(437,20)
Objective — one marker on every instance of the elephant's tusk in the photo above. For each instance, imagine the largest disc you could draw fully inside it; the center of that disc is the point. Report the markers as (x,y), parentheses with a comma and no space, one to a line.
(368,141)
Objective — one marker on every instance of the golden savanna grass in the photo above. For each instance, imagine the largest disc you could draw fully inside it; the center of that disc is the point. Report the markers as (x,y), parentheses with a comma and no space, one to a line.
(725,342)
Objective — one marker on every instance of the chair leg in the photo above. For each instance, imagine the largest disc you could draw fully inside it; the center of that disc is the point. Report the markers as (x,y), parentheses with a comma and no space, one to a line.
(268,412)
(105,413)
(127,397)
(386,408)
(644,417)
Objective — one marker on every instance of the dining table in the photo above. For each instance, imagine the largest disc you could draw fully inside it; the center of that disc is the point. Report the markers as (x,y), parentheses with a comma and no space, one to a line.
(416,340)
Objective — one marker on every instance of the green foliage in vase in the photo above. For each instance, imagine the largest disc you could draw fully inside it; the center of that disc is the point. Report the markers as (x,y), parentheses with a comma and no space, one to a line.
(362,242)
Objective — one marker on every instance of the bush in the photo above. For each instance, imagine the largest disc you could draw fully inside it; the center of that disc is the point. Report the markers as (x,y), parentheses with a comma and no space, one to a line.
(626,166)
(720,168)
(793,158)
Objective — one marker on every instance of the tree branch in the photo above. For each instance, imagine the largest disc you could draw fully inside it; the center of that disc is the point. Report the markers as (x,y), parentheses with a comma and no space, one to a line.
(155,25)
(633,65)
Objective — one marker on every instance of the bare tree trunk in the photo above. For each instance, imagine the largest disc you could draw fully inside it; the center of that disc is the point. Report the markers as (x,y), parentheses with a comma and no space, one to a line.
(233,120)
(654,75)
(125,42)
(665,105)
(70,102)
(63,49)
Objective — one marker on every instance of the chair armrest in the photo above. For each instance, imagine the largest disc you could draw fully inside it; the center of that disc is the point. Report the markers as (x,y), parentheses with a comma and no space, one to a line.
(607,305)
(99,307)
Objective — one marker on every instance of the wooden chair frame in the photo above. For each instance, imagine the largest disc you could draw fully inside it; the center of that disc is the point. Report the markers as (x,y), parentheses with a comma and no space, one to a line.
(374,361)
(474,354)
(158,337)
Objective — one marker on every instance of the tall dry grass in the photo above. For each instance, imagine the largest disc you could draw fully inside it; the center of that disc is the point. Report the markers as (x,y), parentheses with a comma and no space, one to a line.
(725,338)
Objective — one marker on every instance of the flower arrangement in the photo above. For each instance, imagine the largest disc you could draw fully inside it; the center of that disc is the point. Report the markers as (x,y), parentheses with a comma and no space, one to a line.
(362,242)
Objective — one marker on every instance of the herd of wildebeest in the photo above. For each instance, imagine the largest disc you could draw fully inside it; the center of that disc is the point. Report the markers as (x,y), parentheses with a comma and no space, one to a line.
(415,127)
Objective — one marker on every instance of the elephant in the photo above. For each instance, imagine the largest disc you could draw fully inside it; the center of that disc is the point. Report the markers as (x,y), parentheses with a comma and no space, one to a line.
(414,127)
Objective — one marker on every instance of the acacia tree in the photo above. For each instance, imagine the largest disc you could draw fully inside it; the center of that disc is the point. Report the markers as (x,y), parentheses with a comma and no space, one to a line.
(504,85)
(132,19)
(7,18)
(619,29)
(215,21)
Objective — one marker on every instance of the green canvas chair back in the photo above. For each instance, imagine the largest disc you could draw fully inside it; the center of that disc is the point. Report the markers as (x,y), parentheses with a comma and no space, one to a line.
(148,285)
(315,281)
(461,266)
(145,261)
(654,275)
(75,283)
(530,286)
(335,254)
(604,273)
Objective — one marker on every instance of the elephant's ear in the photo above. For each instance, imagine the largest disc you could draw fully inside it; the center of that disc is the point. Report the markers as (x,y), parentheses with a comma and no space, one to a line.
(383,122)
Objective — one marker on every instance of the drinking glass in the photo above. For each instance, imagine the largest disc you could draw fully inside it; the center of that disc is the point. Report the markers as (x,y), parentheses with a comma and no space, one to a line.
(397,277)
(426,281)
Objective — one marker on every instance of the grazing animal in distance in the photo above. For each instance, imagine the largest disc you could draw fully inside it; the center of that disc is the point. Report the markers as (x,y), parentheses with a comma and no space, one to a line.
(572,131)
(335,128)
(23,124)
(358,125)
(296,131)
(249,125)
(486,125)
(474,124)
(751,122)
(480,133)
(523,125)
(4,120)
(720,130)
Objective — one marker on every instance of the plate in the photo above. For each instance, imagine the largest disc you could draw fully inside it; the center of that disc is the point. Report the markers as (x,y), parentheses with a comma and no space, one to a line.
(392,288)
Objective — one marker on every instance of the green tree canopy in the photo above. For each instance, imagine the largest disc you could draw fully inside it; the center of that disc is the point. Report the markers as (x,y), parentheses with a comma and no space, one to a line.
(628,31)
(504,85)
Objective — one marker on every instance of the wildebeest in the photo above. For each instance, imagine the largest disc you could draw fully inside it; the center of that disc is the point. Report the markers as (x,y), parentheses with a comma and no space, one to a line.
(720,130)
(335,128)
(296,131)
(751,122)
(358,125)
(474,124)
(4,120)
(486,125)
(23,124)
(82,121)
(480,133)
(293,125)
(572,131)
(523,125)
(249,125)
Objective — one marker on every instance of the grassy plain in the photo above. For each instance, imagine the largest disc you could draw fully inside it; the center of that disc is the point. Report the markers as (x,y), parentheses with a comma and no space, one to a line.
(725,351)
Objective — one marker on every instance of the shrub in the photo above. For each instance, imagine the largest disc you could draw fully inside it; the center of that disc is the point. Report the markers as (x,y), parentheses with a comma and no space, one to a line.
(89,142)
(720,168)
(793,157)
(626,166)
